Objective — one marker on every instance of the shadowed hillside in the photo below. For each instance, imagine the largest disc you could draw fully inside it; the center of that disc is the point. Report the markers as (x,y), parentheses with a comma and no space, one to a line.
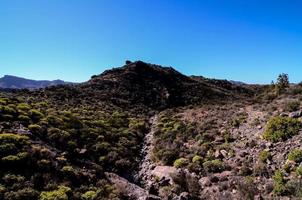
(140,85)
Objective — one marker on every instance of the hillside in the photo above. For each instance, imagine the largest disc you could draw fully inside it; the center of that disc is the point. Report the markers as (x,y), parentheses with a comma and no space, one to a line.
(14,82)
(145,132)
(146,87)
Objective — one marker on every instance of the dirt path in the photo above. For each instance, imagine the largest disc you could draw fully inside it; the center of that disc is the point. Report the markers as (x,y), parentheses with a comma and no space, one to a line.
(146,165)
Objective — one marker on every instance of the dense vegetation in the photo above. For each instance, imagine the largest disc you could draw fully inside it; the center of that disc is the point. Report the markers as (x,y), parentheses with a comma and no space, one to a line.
(49,152)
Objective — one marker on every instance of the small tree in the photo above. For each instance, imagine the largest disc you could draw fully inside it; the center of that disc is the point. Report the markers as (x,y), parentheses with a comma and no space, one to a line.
(282,83)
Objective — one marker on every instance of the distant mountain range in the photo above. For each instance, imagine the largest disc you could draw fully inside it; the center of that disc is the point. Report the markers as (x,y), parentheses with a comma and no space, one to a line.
(14,82)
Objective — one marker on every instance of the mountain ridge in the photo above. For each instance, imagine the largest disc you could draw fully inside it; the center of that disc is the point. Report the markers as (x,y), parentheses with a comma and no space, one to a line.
(16,82)
(148,86)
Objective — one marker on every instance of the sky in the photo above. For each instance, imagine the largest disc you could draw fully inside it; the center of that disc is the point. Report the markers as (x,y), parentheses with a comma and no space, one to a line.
(244,40)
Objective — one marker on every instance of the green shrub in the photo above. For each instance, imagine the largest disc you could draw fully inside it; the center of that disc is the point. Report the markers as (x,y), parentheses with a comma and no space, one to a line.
(213,166)
(59,194)
(7,110)
(279,183)
(264,156)
(54,120)
(24,118)
(13,138)
(15,158)
(35,128)
(89,195)
(181,162)
(23,107)
(35,115)
(295,155)
(299,171)
(281,128)
(3,101)
(68,170)
(196,159)
(10,179)
(239,119)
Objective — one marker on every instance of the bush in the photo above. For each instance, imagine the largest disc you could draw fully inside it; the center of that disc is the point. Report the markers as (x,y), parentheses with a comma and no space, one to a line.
(299,171)
(13,138)
(239,119)
(295,155)
(23,118)
(10,179)
(59,194)
(35,115)
(23,107)
(35,128)
(181,162)
(213,166)
(282,83)
(292,106)
(279,183)
(264,156)
(68,170)
(196,159)
(23,194)
(281,128)
(89,195)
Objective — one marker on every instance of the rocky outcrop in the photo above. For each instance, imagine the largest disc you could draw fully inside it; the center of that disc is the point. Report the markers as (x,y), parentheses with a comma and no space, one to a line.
(128,189)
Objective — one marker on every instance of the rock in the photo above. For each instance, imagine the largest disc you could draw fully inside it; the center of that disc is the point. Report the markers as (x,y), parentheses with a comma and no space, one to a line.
(219,140)
(164,172)
(224,153)
(283,114)
(216,154)
(152,197)
(184,196)
(295,114)
(259,127)
(204,182)
(129,189)
(164,181)
(82,151)
(224,175)
(268,144)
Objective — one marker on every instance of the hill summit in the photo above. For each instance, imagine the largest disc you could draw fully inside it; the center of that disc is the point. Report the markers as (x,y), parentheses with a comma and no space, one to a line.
(157,87)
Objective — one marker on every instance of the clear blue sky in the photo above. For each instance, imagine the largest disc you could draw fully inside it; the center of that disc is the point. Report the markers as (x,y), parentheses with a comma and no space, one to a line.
(245,40)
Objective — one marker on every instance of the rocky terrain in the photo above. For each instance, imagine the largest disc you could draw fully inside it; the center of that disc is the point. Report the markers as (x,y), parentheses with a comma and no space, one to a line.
(143,131)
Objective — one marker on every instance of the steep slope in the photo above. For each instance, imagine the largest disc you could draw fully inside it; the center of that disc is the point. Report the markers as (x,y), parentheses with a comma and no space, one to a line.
(14,82)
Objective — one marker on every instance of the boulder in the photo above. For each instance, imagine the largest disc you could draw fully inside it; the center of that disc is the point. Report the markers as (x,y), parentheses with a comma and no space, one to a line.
(128,189)
(295,114)
(164,172)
